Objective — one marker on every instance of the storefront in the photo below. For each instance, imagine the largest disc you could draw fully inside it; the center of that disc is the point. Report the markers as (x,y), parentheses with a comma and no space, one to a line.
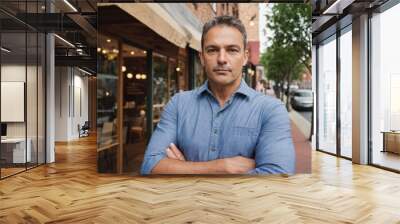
(139,70)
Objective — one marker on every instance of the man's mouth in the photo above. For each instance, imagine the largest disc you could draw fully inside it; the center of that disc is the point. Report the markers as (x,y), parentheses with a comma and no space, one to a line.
(221,70)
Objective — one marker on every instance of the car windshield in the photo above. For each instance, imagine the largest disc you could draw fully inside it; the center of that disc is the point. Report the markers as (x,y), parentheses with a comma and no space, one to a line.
(303,94)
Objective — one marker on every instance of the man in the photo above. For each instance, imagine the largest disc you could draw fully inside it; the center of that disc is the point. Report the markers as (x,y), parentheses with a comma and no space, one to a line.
(223,127)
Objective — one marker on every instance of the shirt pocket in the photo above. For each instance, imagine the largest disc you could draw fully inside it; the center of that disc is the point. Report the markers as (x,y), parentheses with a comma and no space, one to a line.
(243,141)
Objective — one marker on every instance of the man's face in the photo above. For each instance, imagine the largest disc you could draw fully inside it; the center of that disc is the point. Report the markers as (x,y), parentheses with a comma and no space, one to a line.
(223,55)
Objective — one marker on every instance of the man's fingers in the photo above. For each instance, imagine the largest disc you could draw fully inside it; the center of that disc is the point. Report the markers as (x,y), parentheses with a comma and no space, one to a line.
(174,153)
(170,154)
(177,152)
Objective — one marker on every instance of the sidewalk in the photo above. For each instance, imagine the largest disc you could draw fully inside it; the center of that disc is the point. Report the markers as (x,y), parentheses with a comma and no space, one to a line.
(303,150)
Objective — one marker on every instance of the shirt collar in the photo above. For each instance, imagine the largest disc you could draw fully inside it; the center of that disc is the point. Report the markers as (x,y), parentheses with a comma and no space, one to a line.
(243,89)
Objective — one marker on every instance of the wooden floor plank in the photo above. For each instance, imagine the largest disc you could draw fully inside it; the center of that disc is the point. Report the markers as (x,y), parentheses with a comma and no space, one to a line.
(71,191)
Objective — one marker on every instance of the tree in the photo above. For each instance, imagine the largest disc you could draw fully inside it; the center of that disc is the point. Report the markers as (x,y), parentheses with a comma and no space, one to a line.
(290,50)
(282,66)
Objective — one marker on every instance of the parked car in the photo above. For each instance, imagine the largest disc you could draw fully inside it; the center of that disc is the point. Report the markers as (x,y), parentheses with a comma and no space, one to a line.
(292,87)
(301,99)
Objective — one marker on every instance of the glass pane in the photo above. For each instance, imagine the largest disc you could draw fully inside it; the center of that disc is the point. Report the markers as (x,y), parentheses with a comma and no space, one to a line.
(172,77)
(107,80)
(31,85)
(41,99)
(31,97)
(327,96)
(182,71)
(13,86)
(160,93)
(346,94)
(385,85)
(135,110)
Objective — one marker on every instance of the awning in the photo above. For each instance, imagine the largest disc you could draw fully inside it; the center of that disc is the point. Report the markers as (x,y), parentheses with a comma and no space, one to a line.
(194,37)
(157,19)
(188,21)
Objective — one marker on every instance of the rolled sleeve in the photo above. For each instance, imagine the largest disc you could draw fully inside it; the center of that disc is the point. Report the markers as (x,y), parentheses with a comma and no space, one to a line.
(274,152)
(150,162)
(163,135)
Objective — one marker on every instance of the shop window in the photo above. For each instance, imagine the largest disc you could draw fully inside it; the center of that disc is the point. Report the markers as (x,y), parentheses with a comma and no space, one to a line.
(327,96)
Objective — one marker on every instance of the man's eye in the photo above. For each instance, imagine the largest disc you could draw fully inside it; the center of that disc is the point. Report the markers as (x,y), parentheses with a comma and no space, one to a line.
(211,50)
(233,50)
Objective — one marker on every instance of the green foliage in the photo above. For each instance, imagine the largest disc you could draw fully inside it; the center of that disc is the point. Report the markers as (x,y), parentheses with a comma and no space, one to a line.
(281,63)
(290,50)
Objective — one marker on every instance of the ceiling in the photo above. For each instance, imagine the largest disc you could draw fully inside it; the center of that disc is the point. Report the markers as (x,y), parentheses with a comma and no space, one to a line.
(337,14)
(73,20)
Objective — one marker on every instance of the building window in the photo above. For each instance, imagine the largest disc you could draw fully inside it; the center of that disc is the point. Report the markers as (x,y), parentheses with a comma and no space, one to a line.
(346,93)
(327,96)
(385,89)
(107,103)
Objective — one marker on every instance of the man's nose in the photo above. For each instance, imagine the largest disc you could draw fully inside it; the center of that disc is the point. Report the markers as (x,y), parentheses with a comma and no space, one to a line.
(222,57)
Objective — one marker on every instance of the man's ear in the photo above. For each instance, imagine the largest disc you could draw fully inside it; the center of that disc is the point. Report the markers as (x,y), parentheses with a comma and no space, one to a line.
(246,57)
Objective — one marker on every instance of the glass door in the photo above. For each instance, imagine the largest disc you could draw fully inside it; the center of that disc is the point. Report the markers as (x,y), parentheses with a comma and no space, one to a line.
(326,128)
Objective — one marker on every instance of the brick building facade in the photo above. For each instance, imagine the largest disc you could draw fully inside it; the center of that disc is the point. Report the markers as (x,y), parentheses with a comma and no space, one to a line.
(203,11)
(249,15)
(206,11)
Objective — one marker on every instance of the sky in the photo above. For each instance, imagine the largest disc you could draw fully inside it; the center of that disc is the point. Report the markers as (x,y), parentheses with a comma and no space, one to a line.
(263,33)
(262,25)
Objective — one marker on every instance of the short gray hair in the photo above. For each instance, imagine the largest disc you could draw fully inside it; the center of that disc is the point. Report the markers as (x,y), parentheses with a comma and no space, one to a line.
(224,21)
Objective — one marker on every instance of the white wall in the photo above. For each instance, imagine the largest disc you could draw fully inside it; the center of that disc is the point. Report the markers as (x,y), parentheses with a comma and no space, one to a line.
(33,127)
(71,94)
(61,103)
(13,73)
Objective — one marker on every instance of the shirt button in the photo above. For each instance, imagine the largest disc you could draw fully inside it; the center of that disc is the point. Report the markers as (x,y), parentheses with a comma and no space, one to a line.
(213,149)
(215,131)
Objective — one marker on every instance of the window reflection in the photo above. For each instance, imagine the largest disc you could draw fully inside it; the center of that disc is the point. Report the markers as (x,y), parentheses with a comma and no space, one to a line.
(135,105)
(346,94)
(107,80)
(160,87)
(13,77)
(172,77)
(327,96)
(385,85)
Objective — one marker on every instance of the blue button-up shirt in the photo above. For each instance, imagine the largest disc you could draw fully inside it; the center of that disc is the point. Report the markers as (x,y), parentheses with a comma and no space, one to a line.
(250,124)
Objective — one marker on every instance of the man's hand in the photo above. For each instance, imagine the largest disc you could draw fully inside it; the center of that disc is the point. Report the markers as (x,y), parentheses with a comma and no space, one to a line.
(174,153)
(238,165)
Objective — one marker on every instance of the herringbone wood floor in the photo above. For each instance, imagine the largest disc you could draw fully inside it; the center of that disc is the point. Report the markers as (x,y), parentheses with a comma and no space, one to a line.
(70,191)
